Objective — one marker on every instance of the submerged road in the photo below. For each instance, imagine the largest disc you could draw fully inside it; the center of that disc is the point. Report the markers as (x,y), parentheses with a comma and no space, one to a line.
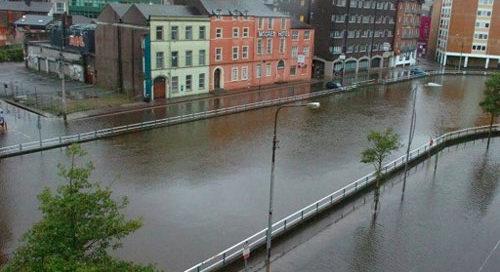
(448,221)
(203,186)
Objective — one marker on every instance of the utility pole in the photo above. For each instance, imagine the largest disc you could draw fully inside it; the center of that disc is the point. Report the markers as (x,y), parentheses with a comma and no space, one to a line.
(61,64)
(410,138)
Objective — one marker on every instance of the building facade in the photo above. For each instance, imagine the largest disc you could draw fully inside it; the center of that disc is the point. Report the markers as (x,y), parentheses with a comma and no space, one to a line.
(298,9)
(355,35)
(179,53)
(467,33)
(407,32)
(251,45)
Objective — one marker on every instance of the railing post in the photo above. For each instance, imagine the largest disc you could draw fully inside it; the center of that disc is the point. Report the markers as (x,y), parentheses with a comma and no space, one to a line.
(95,133)
(60,140)
(224,258)
(20,147)
(284,225)
(302,215)
(317,207)
(79,137)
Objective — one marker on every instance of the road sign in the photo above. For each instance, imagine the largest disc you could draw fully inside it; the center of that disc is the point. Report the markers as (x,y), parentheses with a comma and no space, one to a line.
(246,251)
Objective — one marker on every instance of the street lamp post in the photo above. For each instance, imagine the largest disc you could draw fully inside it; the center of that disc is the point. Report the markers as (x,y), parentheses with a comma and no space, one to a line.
(311,105)
(343,57)
(461,51)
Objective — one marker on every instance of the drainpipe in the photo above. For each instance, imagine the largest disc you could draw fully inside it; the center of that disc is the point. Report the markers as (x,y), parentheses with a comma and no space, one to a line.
(120,67)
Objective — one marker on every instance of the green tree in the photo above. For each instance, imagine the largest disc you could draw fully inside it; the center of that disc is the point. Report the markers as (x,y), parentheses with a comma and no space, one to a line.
(381,146)
(491,102)
(80,223)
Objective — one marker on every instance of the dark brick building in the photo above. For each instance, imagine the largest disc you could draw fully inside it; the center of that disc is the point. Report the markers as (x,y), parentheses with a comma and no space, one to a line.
(362,30)
(407,32)
(119,58)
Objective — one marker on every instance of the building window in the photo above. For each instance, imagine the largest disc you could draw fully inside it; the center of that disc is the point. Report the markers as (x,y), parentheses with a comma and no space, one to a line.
(175,84)
(175,59)
(174,33)
(283,23)
(244,73)
(218,54)
(159,33)
(236,32)
(293,70)
(245,32)
(244,52)
(259,46)
(235,52)
(302,18)
(282,45)
(234,74)
(201,81)
(202,33)
(281,65)
(305,51)
(201,57)
(258,71)
(269,46)
(295,52)
(261,23)
(270,23)
(189,33)
(295,35)
(159,60)
(307,35)
(189,83)
(268,69)
(218,33)
(189,58)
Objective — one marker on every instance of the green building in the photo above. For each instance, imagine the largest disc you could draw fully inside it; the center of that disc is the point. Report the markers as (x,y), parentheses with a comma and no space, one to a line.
(92,8)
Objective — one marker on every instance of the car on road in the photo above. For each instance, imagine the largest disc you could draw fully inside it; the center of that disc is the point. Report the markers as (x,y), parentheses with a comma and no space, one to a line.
(418,71)
(334,85)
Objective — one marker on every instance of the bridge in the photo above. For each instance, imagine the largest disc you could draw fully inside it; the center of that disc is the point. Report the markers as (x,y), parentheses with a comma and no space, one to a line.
(287,224)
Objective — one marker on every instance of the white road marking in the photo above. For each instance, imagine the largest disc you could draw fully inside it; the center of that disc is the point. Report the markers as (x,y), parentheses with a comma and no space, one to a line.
(489,255)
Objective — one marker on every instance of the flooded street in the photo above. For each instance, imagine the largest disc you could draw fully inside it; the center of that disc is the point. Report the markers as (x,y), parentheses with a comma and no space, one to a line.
(203,186)
(448,221)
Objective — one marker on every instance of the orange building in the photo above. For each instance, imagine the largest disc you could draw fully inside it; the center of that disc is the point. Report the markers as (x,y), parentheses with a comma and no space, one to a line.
(251,45)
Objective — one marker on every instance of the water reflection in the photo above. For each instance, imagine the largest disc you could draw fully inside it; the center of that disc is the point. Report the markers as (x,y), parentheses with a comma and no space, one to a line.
(483,186)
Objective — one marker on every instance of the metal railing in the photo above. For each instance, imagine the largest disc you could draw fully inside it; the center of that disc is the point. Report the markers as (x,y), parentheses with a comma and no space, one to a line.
(433,73)
(258,239)
(55,142)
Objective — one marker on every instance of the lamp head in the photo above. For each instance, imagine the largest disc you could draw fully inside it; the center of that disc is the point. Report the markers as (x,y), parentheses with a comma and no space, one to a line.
(313,105)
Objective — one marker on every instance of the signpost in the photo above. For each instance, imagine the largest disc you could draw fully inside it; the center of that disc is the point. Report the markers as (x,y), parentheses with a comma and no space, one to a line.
(246,254)
(39,125)
(342,58)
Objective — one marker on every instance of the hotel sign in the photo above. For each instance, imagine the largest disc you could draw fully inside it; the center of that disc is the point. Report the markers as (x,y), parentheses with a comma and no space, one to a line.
(270,34)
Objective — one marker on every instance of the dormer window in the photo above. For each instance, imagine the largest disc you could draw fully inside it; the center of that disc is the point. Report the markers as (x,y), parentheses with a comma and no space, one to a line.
(218,14)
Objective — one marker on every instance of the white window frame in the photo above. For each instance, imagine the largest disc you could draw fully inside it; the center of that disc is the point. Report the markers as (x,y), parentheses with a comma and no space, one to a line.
(244,52)
(217,32)
(237,52)
(244,73)
(236,34)
(221,53)
(246,32)
(269,69)
(234,77)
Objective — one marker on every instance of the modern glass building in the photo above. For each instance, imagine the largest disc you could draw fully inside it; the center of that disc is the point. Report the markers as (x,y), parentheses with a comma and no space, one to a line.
(92,8)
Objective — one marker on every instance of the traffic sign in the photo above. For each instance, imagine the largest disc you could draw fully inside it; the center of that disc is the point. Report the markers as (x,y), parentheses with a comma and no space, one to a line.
(246,251)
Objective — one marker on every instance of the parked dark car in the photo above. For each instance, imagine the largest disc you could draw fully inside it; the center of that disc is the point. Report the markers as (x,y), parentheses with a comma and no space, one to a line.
(334,85)
(418,71)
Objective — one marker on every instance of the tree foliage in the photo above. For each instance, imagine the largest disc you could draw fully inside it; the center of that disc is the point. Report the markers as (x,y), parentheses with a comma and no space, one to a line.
(382,145)
(80,223)
(491,102)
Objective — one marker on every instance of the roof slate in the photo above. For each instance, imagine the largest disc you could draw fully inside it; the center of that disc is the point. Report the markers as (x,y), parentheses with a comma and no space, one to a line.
(119,8)
(255,8)
(21,6)
(34,20)
(148,10)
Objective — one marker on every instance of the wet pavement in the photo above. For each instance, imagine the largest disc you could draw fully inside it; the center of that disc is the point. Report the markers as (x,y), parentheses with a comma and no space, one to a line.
(203,186)
(448,221)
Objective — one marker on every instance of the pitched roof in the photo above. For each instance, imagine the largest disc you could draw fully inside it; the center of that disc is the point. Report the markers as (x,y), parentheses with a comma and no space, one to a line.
(255,8)
(148,10)
(296,24)
(80,19)
(21,6)
(119,8)
(34,20)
